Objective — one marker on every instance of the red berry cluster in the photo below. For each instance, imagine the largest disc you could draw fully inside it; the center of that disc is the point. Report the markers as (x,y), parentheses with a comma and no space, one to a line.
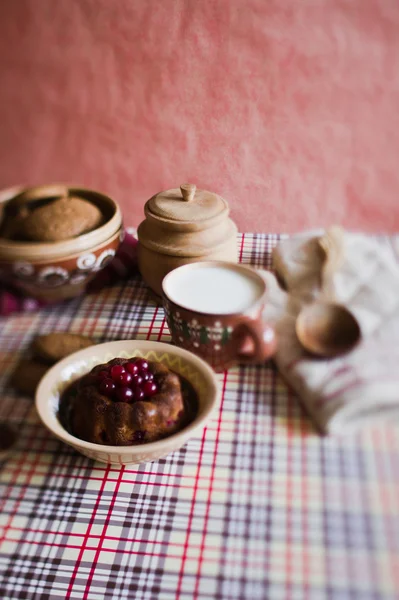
(127,383)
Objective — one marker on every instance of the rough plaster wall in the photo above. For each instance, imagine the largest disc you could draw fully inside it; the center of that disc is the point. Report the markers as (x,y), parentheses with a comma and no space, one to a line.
(288,108)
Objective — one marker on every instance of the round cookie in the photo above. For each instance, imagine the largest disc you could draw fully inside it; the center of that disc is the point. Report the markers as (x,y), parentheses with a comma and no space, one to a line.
(55,346)
(62,219)
(27,375)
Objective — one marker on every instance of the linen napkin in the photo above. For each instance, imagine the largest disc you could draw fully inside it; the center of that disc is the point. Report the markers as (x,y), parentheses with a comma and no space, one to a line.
(121,267)
(344,393)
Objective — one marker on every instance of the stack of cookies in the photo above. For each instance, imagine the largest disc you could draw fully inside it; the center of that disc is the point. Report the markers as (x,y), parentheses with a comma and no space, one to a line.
(51,219)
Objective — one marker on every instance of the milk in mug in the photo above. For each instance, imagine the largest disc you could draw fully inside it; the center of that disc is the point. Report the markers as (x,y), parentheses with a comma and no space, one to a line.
(213,289)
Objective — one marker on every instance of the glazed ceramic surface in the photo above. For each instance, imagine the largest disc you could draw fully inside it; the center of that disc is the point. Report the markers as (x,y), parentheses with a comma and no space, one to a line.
(195,370)
(59,278)
(59,270)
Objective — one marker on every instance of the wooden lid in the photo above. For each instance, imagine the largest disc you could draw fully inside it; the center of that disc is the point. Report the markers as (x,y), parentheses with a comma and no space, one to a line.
(186,204)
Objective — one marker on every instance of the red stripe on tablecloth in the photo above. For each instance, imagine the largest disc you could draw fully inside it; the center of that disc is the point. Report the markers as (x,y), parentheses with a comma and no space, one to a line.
(152,322)
(108,538)
(190,518)
(28,478)
(161,329)
(254,563)
(87,534)
(39,427)
(155,484)
(279,487)
(112,479)
(93,548)
(102,535)
(210,488)
(241,247)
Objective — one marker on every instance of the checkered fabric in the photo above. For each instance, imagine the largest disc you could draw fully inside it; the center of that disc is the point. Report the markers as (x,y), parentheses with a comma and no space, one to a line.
(257,507)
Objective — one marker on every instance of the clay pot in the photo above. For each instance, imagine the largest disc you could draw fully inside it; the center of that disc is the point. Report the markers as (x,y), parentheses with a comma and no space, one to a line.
(54,271)
(184,225)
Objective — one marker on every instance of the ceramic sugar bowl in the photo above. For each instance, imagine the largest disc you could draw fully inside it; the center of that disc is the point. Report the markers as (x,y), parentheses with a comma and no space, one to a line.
(184,225)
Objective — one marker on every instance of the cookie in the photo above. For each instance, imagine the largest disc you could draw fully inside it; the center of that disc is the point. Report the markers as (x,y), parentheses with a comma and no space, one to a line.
(55,346)
(27,375)
(16,211)
(62,219)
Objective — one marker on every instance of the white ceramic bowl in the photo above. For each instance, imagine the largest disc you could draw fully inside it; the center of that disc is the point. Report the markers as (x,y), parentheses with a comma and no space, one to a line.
(194,369)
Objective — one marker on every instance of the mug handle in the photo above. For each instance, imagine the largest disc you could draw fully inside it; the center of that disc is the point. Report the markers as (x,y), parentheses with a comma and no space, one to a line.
(260,334)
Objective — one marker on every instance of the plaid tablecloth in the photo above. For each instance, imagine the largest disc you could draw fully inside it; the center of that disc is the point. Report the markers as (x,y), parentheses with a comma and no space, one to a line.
(257,507)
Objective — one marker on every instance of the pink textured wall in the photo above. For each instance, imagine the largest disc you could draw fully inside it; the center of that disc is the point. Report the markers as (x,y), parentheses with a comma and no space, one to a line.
(287,108)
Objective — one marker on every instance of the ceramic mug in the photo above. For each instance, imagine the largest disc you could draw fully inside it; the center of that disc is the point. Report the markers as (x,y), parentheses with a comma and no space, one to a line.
(214,309)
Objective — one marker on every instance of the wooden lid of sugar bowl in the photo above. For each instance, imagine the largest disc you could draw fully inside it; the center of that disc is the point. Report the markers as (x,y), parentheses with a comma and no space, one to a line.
(184,225)
(187,206)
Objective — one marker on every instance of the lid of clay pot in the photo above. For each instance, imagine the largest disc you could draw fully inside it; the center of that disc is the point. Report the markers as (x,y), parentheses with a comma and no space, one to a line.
(187,203)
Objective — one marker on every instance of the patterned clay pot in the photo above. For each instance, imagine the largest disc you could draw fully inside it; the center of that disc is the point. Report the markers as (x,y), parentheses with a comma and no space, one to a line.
(59,270)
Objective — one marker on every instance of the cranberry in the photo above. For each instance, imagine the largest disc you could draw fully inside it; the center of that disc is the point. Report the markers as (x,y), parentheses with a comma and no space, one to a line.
(123,379)
(147,376)
(142,364)
(107,387)
(138,393)
(150,388)
(137,380)
(102,375)
(125,394)
(116,371)
(132,368)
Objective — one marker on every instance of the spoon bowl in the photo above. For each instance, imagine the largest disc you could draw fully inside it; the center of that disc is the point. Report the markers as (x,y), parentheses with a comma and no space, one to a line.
(327,329)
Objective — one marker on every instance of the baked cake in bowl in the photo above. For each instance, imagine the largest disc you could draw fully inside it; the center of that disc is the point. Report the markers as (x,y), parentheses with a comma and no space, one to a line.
(127,402)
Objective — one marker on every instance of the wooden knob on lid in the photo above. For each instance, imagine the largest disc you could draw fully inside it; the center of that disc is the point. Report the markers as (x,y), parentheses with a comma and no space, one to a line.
(188,191)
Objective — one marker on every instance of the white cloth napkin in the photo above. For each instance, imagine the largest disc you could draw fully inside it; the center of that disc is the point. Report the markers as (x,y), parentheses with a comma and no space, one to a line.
(344,393)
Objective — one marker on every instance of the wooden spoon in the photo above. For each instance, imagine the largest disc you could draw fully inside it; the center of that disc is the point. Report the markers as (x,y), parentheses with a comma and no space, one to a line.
(323,327)
(327,329)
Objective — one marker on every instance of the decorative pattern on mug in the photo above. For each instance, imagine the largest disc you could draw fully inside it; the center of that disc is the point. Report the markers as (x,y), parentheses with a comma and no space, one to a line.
(192,332)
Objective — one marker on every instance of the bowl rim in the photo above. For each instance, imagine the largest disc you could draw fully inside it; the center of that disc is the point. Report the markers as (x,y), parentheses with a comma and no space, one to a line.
(52,423)
(66,257)
(10,248)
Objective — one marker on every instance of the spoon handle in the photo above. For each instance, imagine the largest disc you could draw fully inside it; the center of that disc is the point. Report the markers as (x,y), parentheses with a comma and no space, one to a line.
(332,243)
